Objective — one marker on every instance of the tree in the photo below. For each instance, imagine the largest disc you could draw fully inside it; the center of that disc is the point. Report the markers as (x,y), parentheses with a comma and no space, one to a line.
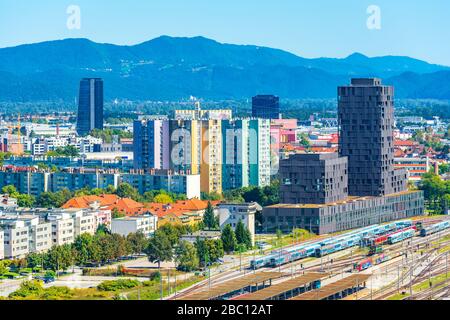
(26,200)
(59,258)
(116,214)
(34,260)
(213,196)
(125,190)
(138,242)
(209,219)
(83,246)
(159,249)
(54,199)
(10,190)
(228,239)
(243,235)
(163,198)
(172,232)
(186,257)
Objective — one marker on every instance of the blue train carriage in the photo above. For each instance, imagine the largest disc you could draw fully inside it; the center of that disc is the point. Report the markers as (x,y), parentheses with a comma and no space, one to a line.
(426,231)
(260,262)
(400,236)
(341,245)
(404,224)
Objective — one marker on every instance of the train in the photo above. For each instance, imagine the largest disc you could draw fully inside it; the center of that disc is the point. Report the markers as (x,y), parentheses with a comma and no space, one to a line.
(338,246)
(327,246)
(401,235)
(369,262)
(434,228)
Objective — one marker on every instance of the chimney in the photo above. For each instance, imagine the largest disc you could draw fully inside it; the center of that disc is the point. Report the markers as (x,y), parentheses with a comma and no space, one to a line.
(436,168)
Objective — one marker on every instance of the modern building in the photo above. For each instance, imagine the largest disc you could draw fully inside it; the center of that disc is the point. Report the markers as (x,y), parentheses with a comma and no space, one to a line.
(151,141)
(314,187)
(353,212)
(313,178)
(246,153)
(366,124)
(90,105)
(146,224)
(232,213)
(266,107)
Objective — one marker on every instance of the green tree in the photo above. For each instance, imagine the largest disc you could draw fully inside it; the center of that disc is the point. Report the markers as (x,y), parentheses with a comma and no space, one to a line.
(209,219)
(59,258)
(243,235)
(186,257)
(26,201)
(163,198)
(125,190)
(138,242)
(116,214)
(85,249)
(229,239)
(159,249)
(10,190)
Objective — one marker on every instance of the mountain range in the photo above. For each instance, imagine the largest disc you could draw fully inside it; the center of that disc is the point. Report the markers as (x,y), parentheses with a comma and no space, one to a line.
(168,68)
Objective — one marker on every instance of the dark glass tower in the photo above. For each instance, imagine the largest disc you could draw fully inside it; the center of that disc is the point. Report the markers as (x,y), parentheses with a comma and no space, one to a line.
(90,105)
(266,107)
(366,123)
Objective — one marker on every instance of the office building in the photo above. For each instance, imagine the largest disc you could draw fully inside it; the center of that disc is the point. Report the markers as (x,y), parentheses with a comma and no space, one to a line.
(366,124)
(313,178)
(266,107)
(314,187)
(353,212)
(90,105)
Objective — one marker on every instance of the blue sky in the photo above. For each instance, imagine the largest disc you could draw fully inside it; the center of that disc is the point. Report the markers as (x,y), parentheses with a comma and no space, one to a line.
(316,28)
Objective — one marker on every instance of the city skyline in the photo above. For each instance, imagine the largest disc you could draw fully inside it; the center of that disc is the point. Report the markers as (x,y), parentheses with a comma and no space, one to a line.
(413,30)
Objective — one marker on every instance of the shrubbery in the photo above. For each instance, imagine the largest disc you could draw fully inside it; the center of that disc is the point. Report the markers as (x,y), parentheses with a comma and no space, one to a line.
(115,285)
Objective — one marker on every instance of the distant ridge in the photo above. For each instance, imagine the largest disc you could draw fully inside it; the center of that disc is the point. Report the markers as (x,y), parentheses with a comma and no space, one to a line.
(168,68)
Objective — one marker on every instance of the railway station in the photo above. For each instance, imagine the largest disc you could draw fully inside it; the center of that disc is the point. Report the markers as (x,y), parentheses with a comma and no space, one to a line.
(247,284)
(287,289)
(336,290)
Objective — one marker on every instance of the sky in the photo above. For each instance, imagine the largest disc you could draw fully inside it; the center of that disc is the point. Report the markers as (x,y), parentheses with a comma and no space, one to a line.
(319,28)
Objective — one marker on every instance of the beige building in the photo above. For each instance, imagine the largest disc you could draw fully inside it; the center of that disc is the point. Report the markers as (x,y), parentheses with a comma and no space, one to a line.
(63,228)
(231,213)
(16,238)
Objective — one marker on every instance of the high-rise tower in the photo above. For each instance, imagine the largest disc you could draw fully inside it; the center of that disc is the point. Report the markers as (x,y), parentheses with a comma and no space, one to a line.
(90,105)
(366,123)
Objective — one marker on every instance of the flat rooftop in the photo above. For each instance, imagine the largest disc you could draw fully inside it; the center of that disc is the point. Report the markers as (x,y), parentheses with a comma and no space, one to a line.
(283,287)
(233,285)
(332,204)
(334,288)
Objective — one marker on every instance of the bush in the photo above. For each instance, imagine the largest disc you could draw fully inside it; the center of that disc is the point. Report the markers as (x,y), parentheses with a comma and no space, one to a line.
(115,285)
